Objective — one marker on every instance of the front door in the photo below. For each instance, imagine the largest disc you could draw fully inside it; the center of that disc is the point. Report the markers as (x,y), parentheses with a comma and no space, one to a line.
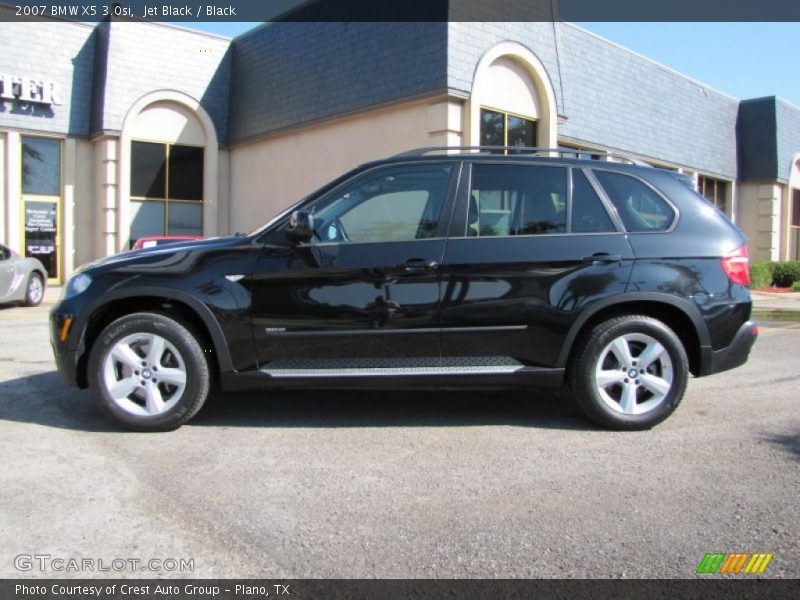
(364,292)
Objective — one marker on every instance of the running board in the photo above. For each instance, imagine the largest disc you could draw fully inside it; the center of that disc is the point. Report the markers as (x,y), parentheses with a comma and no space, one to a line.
(392,367)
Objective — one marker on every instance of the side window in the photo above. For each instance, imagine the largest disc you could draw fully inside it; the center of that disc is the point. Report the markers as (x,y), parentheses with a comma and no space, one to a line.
(517,200)
(588,213)
(392,205)
(639,207)
(4,254)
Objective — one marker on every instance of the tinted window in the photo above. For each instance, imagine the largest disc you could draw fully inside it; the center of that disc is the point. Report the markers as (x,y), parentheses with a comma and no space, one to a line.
(588,213)
(521,132)
(4,253)
(397,204)
(148,170)
(517,200)
(185,173)
(185,218)
(147,218)
(639,207)
(493,126)
(41,166)
(502,129)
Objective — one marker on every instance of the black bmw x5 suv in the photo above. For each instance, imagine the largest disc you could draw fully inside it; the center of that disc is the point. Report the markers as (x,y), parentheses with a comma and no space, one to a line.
(467,268)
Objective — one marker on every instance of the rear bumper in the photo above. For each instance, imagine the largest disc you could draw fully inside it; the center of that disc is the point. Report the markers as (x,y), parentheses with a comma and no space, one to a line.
(736,354)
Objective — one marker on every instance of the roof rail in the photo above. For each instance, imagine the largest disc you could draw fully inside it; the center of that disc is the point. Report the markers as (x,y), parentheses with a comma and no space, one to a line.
(525,150)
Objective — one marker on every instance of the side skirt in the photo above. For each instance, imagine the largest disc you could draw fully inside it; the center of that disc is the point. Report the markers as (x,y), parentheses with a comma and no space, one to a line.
(469,372)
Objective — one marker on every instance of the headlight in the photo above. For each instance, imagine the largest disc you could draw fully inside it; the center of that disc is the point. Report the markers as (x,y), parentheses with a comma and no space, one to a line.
(77,284)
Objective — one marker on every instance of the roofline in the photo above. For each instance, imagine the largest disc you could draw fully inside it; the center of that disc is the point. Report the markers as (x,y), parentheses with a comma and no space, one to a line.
(218,36)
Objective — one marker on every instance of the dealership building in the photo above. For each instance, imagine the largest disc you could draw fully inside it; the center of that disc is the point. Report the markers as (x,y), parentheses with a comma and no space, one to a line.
(116,130)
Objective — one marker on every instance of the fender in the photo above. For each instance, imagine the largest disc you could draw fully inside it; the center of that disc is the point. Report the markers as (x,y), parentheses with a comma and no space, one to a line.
(200,309)
(686,307)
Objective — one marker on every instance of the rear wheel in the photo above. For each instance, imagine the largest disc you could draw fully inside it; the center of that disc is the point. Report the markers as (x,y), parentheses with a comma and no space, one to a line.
(148,372)
(34,290)
(630,373)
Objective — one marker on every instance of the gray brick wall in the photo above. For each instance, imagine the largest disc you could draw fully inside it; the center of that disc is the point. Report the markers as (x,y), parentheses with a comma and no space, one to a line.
(612,96)
(58,52)
(637,105)
(143,57)
(287,74)
(788,134)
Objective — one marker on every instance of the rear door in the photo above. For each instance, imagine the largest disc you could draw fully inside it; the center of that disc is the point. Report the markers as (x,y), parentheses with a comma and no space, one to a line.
(530,247)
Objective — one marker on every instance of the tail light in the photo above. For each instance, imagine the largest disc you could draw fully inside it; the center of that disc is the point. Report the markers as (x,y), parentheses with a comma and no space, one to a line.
(736,265)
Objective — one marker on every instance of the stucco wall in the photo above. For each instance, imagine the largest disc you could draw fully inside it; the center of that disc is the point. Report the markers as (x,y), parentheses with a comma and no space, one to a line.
(269,175)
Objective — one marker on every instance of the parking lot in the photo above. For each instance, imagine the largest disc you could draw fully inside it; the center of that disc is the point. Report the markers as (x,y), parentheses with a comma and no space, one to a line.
(422,485)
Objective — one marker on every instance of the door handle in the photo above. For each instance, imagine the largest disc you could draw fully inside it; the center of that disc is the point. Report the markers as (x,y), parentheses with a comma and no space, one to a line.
(419,265)
(599,258)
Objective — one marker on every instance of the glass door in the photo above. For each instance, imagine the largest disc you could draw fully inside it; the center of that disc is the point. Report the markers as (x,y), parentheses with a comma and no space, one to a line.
(41,201)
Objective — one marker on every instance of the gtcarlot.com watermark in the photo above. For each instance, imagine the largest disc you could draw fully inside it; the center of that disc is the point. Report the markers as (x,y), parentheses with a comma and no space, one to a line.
(47,563)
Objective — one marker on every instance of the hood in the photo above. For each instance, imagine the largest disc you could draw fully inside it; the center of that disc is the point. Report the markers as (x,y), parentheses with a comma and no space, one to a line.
(162,257)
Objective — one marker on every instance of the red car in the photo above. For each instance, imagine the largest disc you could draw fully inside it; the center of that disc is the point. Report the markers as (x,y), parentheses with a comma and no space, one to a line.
(151,241)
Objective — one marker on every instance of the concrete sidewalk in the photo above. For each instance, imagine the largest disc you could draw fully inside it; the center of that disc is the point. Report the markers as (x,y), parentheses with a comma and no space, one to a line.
(777,305)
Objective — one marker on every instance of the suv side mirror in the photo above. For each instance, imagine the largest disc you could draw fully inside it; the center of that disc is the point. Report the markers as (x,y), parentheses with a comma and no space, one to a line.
(301,226)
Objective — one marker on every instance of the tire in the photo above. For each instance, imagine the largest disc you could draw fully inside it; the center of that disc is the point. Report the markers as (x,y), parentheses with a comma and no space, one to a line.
(125,365)
(34,290)
(608,384)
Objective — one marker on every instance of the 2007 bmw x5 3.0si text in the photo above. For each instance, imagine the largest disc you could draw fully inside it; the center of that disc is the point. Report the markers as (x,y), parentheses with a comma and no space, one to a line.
(431,269)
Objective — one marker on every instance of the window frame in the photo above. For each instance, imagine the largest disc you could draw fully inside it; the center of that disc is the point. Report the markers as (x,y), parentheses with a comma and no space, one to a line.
(676,216)
(57,199)
(167,200)
(702,184)
(445,220)
(460,220)
(506,114)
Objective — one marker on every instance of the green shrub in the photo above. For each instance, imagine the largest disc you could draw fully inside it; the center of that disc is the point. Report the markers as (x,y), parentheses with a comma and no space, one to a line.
(785,273)
(796,286)
(761,274)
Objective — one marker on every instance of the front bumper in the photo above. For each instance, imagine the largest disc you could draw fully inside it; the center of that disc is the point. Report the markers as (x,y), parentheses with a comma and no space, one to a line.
(66,358)
(736,354)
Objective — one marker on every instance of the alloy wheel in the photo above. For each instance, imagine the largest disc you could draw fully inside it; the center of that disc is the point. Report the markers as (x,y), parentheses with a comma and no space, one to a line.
(144,374)
(634,374)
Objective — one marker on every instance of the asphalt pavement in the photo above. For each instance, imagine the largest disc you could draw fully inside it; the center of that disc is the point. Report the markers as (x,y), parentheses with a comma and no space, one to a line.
(406,485)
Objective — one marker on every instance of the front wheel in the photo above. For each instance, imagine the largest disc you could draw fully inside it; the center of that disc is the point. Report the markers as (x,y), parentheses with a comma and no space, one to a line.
(148,372)
(630,373)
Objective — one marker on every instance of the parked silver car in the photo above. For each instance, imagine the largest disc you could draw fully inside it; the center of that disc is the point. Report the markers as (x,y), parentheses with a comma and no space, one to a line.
(21,279)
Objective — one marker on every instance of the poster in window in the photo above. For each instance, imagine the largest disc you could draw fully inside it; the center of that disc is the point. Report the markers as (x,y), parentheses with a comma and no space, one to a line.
(41,234)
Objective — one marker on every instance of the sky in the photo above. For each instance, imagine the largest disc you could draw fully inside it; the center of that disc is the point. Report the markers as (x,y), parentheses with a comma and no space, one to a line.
(744,60)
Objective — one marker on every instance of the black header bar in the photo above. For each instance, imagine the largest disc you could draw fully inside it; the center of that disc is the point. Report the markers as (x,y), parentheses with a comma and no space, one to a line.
(402,10)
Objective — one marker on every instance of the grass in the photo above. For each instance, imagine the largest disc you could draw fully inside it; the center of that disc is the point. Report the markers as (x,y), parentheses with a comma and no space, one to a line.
(776,315)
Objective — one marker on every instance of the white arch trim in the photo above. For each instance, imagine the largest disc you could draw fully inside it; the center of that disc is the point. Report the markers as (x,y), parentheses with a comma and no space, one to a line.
(788,199)
(547,135)
(211,207)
